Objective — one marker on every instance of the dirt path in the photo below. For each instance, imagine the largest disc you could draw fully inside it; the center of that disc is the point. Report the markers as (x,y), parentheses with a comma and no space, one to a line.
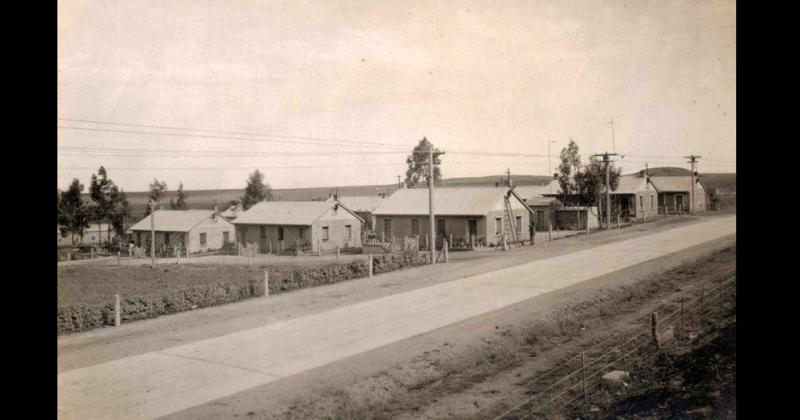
(478,368)
(423,371)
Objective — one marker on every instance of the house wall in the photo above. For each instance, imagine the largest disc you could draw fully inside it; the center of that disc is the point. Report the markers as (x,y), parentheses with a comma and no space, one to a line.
(455,225)
(523,233)
(212,227)
(548,215)
(568,219)
(336,223)
(635,210)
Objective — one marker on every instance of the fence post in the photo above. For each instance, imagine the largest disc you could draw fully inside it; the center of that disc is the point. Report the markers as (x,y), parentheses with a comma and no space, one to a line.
(549,231)
(370,265)
(583,376)
(654,328)
(587,222)
(446,253)
(250,256)
(91,252)
(619,225)
(117,315)
(118,262)
(266,283)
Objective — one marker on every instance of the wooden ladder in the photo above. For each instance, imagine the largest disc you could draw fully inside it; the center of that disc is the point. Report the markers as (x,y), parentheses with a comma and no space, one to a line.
(511,222)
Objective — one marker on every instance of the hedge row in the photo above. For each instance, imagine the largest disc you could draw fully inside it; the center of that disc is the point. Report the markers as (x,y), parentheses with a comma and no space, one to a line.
(76,318)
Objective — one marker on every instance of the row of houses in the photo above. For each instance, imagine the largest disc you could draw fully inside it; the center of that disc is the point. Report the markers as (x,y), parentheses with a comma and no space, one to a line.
(471,216)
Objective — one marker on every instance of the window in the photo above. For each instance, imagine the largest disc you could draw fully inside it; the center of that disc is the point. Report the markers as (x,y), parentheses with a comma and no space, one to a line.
(166,238)
(441,227)
(498,225)
(519,224)
(348,232)
(325,234)
(280,234)
(226,237)
(387,228)
(264,232)
(302,233)
(202,239)
(652,202)
(414,226)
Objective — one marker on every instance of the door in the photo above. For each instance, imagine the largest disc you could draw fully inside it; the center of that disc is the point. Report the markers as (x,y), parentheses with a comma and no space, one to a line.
(472,230)
(679,202)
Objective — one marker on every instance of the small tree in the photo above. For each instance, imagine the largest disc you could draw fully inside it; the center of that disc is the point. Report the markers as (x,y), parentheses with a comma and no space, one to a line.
(181,203)
(569,169)
(418,166)
(157,190)
(256,190)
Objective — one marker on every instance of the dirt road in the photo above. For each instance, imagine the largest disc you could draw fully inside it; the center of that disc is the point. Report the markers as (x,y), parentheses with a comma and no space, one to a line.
(160,382)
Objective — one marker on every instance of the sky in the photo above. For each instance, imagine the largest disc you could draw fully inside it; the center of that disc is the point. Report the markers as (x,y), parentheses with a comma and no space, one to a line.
(326,93)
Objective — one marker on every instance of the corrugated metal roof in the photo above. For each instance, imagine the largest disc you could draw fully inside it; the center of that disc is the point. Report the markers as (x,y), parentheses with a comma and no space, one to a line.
(173,220)
(232,211)
(362,203)
(674,183)
(296,213)
(629,185)
(449,201)
(528,191)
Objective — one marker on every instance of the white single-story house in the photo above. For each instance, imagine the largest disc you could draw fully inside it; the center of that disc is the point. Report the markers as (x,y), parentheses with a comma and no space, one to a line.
(192,230)
(304,225)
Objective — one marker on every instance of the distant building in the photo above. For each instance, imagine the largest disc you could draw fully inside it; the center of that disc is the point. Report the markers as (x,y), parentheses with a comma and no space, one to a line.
(309,225)
(674,193)
(193,230)
(468,214)
(232,212)
(363,205)
(95,234)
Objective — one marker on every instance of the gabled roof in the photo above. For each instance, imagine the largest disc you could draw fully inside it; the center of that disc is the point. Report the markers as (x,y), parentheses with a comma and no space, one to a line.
(528,191)
(294,213)
(232,211)
(448,201)
(674,183)
(629,184)
(173,220)
(361,203)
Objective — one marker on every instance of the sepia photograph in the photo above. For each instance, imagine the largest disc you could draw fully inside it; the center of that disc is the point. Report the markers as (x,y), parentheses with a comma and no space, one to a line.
(350,209)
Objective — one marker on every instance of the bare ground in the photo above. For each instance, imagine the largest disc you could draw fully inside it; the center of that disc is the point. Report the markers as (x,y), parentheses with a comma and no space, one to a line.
(480,367)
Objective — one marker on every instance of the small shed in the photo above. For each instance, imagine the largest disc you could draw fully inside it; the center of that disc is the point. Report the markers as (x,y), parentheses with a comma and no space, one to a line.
(300,225)
(191,230)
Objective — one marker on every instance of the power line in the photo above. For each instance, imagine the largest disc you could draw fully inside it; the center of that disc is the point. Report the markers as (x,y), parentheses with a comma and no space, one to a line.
(238,133)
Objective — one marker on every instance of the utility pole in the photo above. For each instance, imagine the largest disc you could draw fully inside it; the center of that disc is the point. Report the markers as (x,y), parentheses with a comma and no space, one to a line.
(508,176)
(432,249)
(613,141)
(152,234)
(607,161)
(549,165)
(692,160)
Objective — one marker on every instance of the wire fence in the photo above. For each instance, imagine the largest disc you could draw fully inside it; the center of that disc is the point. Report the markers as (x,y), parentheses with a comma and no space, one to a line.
(572,380)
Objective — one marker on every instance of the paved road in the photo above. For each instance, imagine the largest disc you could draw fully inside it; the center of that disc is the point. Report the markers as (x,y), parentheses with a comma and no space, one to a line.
(162,382)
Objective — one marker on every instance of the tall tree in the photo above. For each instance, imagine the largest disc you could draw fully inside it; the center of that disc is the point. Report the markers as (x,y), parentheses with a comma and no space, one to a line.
(256,190)
(181,203)
(74,214)
(418,166)
(121,214)
(157,189)
(105,195)
(568,170)
(592,181)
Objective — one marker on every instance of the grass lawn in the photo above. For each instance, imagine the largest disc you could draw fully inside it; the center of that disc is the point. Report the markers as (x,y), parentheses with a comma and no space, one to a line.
(96,285)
